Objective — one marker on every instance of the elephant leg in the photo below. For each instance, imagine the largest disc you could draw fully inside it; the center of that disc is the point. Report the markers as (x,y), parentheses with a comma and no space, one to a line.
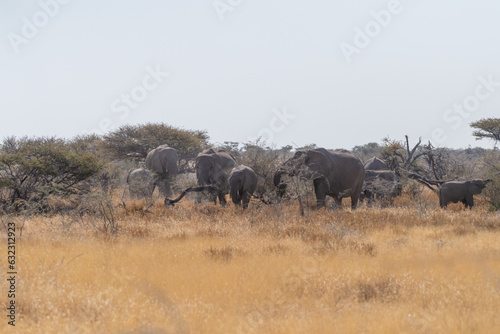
(236,198)
(168,188)
(164,186)
(151,190)
(212,196)
(222,199)
(246,199)
(206,195)
(320,189)
(469,201)
(354,201)
(442,202)
(235,195)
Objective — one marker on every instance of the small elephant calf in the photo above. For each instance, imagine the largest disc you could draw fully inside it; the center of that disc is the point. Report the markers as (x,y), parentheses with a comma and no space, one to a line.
(242,184)
(461,191)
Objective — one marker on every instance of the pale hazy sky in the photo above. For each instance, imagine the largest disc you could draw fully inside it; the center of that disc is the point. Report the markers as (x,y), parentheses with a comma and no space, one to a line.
(334,73)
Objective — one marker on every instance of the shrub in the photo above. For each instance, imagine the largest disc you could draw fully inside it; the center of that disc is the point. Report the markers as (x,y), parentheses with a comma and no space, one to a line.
(487,166)
(265,161)
(31,169)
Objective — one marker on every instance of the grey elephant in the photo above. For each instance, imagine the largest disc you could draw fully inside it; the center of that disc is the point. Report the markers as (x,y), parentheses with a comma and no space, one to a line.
(163,162)
(141,183)
(338,174)
(212,168)
(380,184)
(242,184)
(376,164)
(461,191)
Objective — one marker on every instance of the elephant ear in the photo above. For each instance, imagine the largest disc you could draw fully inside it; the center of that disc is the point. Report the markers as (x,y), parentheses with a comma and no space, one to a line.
(153,162)
(217,160)
(318,163)
(169,160)
(475,186)
(205,157)
(162,159)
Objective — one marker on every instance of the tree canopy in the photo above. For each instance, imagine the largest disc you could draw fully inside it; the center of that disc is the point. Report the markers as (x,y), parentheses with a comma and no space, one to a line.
(140,139)
(487,128)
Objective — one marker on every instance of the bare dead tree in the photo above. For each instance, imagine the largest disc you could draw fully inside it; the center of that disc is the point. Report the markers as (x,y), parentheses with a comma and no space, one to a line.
(399,155)
(431,184)
(421,159)
(411,156)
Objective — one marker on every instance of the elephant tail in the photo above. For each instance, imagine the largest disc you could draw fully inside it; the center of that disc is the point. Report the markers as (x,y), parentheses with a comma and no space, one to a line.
(234,191)
(128,175)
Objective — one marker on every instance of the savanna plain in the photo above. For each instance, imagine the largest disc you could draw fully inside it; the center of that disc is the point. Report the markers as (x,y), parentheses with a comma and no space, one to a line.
(408,268)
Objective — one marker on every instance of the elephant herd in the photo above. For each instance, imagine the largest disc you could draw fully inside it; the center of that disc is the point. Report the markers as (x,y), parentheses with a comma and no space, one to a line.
(338,174)
(212,168)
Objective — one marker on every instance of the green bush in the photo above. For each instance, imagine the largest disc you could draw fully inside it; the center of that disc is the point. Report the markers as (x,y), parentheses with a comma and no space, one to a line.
(32,169)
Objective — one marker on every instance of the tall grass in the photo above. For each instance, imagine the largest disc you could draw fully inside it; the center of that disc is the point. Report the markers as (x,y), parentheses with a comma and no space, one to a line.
(410,268)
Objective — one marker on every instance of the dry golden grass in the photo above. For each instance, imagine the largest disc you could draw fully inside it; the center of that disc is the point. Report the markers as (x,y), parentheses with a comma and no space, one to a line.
(412,268)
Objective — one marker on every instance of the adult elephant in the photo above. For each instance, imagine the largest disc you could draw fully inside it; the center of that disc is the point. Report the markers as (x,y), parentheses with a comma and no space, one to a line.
(141,183)
(461,191)
(242,184)
(163,162)
(338,174)
(376,164)
(380,184)
(212,168)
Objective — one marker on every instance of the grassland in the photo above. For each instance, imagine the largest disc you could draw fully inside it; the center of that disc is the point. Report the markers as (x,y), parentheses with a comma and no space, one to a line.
(411,268)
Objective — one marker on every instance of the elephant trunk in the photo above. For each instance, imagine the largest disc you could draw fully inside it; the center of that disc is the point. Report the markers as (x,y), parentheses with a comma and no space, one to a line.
(204,178)
(277,177)
(234,193)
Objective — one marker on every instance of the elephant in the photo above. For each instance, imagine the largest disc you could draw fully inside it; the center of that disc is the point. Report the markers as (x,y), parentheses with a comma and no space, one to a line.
(338,174)
(163,162)
(380,183)
(242,184)
(141,183)
(376,164)
(461,191)
(212,169)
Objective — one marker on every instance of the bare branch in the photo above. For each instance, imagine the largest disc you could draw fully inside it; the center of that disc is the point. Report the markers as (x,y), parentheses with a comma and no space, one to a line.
(212,189)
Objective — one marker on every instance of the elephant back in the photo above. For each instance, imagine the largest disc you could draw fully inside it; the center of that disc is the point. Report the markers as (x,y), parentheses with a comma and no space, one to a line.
(348,171)
(376,164)
(223,159)
(386,175)
(137,174)
(243,172)
(226,160)
(162,159)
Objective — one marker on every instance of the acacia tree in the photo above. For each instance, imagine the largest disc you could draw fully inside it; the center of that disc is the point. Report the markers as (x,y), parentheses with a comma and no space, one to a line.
(488,128)
(31,169)
(138,140)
